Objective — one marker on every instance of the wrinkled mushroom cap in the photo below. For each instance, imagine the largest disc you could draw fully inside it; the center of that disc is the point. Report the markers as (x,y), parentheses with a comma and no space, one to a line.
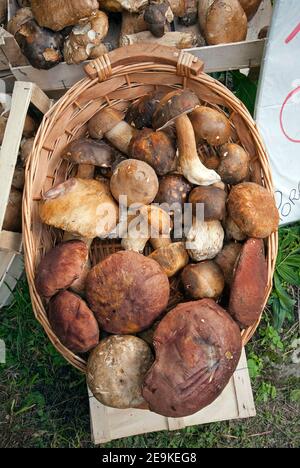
(253,209)
(198,347)
(127,292)
(135,179)
(61,267)
(116,370)
(172,258)
(210,125)
(203,280)
(73,322)
(172,106)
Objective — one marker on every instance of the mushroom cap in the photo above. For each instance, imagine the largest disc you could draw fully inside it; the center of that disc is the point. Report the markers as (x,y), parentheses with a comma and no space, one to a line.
(234,164)
(155,17)
(155,148)
(233,231)
(26,149)
(104,121)
(198,347)
(82,207)
(253,209)
(135,179)
(203,280)
(116,371)
(172,258)
(205,240)
(172,106)
(86,151)
(127,292)
(210,125)
(227,259)
(214,200)
(73,322)
(208,156)
(249,285)
(173,190)
(61,267)
(140,112)
(250,7)
(226,22)
(13,214)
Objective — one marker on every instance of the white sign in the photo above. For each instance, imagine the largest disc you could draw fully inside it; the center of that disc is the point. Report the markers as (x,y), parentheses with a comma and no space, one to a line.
(278,106)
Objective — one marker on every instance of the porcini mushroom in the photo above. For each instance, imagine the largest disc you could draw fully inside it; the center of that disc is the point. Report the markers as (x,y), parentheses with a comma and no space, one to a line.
(171,258)
(19,178)
(26,148)
(250,7)
(208,155)
(82,207)
(203,280)
(173,192)
(174,107)
(158,17)
(253,209)
(234,164)
(109,123)
(249,284)
(61,267)
(73,322)
(185,11)
(127,292)
(213,199)
(116,371)
(197,347)
(155,148)
(140,113)
(210,125)
(117,6)
(204,240)
(227,259)
(13,214)
(233,231)
(136,180)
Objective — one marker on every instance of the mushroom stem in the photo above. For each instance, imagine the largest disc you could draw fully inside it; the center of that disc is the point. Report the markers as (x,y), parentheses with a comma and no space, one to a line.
(189,162)
(120,136)
(161,242)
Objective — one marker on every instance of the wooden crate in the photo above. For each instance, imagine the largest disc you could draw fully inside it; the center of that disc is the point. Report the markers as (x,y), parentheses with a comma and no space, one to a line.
(11,265)
(216,58)
(236,402)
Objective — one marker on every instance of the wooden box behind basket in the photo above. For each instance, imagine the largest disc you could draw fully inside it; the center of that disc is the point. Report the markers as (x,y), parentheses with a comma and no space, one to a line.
(116,80)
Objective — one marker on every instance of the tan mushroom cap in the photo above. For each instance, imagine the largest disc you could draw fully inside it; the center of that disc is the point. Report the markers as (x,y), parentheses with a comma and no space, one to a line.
(174,105)
(210,125)
(116,370)
(203,280)
(172,258)
(135,179)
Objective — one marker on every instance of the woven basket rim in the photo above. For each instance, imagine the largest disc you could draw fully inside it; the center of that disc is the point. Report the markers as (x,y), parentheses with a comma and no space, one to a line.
(112,72)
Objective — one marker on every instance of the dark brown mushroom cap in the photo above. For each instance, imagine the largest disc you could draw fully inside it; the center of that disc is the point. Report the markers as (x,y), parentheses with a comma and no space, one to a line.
(198,347)
(155,18)
(116,370)
(60,267)
(127,292)
(250,7)
(210,125)
(173,190)
(172,106)
(86,151)
(103,122)
(203,280)
(155,148)
(135,179)
(140,112)
(234,164)
(253,209)
(214,200)
(73,322)
(227,259)
(249,285)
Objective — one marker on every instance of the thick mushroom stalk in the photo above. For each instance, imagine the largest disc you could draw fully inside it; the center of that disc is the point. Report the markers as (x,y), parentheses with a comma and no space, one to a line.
(109,123)
(205,240)
(174,107)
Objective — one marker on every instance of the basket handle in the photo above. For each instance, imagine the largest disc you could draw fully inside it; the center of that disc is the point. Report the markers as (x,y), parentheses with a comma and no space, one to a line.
(186,63)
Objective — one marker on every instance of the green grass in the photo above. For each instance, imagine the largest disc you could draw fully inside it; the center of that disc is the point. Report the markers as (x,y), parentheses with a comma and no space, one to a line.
(43,400)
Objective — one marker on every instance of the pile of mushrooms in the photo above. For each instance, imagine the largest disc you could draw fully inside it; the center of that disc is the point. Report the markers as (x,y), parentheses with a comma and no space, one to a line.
(51,31)
(149,163)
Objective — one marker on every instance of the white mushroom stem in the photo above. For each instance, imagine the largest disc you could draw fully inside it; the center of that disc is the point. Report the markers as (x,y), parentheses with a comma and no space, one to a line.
(120,136)
(205,240)
(190,165)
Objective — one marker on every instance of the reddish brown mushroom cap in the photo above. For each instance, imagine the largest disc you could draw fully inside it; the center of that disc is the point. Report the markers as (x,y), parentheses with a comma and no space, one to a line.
(73,322)
(198,347)
(172,106)
(61,267)
(127,292)
(248,290)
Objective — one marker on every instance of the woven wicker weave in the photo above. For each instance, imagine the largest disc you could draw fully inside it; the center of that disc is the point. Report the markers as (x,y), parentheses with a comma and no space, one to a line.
(115,80)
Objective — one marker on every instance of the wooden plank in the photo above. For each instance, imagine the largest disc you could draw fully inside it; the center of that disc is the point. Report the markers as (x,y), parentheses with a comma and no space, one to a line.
(235,402)
(11,241)
(14,270)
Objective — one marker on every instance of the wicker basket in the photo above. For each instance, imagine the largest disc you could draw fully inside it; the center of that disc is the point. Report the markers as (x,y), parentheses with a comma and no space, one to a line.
(115,80)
